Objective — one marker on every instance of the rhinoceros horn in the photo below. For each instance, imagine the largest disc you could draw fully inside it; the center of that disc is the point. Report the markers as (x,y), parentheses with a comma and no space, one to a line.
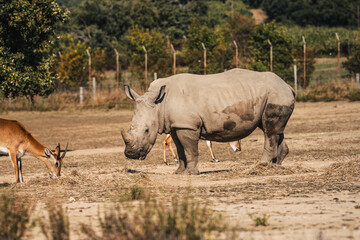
(125,136)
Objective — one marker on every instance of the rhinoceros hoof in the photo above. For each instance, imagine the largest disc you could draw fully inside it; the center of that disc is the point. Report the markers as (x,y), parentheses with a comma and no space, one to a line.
(192,171)
(179,171)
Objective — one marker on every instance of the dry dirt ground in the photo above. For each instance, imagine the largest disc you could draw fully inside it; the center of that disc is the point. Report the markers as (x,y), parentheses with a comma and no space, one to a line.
(315,194)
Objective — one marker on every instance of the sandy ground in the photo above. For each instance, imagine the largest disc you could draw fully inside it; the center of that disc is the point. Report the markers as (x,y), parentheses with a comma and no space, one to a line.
(315,194)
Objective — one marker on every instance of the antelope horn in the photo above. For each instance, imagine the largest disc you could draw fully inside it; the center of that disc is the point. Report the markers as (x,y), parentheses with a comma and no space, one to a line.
(125,136)
(64,153)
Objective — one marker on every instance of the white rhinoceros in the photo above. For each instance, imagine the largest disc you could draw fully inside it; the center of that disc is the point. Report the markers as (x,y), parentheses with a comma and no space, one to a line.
(220,107)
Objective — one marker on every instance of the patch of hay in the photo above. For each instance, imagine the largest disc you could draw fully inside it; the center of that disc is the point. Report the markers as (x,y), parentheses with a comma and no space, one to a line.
(268,169)
(344,169)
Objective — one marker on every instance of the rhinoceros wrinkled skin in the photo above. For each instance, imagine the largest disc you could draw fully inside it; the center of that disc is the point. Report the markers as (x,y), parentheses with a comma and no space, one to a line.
(220,107)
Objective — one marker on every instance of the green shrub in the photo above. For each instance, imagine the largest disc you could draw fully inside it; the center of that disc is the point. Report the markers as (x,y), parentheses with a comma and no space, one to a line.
(354,95)
(260,221)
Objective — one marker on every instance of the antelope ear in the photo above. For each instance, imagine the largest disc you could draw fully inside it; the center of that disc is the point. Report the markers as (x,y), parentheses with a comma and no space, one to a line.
(130,93)
(57,149)
(48,153)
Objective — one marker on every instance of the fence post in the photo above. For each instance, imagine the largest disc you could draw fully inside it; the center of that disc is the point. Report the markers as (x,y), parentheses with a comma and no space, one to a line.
(295,79)
(88,53)
(203,45)
(146,80)
(236,54)
(117,68)
(174,58)
(357,80)
(304,83)
(338,42)
(271,56)
(155,76)
(81,95)
(94,88)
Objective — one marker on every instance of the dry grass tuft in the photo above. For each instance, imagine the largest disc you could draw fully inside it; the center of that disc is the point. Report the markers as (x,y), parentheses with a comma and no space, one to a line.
(14,216)
(185,218)
(344,169)
(268,169)
(57,228)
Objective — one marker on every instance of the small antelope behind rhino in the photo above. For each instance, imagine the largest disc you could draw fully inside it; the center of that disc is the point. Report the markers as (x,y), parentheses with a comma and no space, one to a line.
(235,145)
(17,141)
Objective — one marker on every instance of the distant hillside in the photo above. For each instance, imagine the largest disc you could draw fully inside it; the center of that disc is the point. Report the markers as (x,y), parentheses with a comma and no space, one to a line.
(310,12)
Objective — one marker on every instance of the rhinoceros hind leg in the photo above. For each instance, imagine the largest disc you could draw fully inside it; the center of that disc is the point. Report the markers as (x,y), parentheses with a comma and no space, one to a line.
(283,150)
(188,157)
(270,149)
(273,124)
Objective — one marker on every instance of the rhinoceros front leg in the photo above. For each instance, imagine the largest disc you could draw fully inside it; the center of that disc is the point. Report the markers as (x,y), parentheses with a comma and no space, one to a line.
(180,153)
(187,145)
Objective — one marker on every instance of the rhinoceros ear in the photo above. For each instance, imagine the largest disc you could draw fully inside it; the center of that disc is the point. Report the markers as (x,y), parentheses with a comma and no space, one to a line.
(161,95)
(130,93)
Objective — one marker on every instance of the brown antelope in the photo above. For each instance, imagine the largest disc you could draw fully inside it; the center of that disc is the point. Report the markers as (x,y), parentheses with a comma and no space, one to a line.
(17,141)
(235,145)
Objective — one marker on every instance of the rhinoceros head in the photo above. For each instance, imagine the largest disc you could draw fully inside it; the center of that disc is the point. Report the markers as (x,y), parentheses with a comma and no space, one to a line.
(143,130)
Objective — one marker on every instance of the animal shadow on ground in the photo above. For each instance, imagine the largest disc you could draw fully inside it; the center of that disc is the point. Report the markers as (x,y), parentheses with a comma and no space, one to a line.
(3,185)
(215,171)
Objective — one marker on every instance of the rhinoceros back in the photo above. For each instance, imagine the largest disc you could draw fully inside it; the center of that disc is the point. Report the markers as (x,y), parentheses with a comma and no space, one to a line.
(225,106)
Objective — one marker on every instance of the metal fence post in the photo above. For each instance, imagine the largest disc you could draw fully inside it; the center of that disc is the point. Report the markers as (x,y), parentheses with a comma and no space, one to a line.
(81,95)
(146,80)
(295,78)
(304,83)
(203,45)
(271,56)
(338,43)
(94,88)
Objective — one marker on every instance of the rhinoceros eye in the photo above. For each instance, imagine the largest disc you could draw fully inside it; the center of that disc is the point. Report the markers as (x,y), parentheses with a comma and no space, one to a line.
(147,130)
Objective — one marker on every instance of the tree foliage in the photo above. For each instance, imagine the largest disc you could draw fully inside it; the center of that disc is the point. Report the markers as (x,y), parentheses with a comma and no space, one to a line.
(310,12)
(26,31)
(158,55)
(283,53)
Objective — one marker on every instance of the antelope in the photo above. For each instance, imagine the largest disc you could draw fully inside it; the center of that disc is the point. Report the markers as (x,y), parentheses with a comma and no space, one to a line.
(235,145)
(16,141)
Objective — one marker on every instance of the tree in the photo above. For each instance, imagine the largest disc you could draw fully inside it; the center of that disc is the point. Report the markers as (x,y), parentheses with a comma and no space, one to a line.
(72,65)
(240,28)
(283,53)
(159,56)
(218,51)
(26,31)
(352,63)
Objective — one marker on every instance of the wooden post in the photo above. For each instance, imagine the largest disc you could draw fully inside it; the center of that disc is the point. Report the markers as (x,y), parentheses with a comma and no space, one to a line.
(174,58)
(271,56)
(88,53)
(338,43)
(203,45)
(357,81)
(304,83)
(295,78)
(236,54)
(358,16)
(94,88)
(146,80)
(81,95)
(155,76)
(117,69)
